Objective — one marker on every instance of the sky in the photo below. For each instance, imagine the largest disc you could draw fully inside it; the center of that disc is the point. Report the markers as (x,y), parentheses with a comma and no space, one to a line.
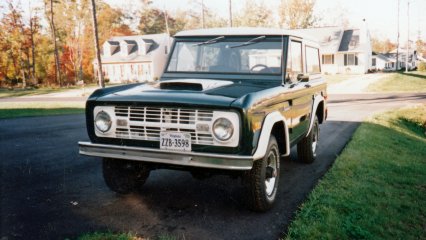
(380,15)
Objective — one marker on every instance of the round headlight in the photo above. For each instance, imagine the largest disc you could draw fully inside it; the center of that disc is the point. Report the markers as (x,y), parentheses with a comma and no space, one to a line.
(103,121)
(223,129)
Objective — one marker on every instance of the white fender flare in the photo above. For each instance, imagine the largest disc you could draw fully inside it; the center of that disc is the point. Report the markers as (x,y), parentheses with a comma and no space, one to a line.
(317,100)
(268,123)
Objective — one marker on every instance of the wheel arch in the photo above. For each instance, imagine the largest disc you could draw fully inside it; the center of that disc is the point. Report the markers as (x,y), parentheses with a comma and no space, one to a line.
(276,124)
(318,110)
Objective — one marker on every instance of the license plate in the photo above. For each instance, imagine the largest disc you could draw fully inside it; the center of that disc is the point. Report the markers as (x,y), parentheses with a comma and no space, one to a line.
(175,141)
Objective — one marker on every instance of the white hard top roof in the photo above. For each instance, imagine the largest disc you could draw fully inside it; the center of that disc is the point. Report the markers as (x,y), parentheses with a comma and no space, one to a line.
(239,31)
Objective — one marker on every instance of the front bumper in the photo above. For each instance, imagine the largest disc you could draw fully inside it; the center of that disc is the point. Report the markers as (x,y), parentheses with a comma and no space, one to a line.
(192,159)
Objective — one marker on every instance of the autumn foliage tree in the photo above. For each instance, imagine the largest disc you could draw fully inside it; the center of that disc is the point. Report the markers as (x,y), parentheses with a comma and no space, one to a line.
(382,46)
(254,14)
(295,14)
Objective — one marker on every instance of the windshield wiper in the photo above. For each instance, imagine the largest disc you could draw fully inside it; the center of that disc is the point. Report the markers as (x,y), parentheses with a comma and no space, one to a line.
(251,41)
(214,40)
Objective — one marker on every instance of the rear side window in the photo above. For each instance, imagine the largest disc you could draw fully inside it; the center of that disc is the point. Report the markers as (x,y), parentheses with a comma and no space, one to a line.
(312,60)
(294,60)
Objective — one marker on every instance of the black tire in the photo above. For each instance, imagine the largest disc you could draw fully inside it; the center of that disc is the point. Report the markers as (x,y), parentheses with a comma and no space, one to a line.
(306,148)
(123,176)
(261,196)
(199,175)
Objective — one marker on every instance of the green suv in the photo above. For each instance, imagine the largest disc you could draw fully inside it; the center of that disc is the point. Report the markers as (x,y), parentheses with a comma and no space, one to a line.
(230,101)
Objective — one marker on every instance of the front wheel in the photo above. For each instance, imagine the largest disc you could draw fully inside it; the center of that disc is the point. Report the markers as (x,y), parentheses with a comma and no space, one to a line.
(307,147)
(262,180)
(123,176)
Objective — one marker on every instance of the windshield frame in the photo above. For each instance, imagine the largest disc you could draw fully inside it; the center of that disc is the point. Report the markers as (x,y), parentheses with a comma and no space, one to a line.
(237,75)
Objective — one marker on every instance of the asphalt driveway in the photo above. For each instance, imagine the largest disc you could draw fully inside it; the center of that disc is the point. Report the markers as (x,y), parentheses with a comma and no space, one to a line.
(48,191)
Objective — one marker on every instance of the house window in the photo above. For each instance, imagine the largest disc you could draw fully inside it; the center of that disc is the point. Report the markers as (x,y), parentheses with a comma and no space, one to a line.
(351,59)
(312,60)
(328,59)
(373,62)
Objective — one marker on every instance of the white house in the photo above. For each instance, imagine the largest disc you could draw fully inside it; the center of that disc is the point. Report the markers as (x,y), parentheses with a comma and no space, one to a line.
(387,61)
(134,58)
(343,50)
(380,62)
(402,53)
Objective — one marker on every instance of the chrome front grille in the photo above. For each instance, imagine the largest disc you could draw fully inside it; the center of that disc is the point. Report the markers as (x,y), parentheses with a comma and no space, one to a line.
(146,123)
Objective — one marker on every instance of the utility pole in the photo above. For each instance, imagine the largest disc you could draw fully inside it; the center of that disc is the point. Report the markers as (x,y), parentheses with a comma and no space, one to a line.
(397,43)
(408,37)
(98,52)
(230,13)
(166,18)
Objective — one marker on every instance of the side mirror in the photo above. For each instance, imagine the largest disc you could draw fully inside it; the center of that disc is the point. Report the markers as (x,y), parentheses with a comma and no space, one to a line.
(303,77)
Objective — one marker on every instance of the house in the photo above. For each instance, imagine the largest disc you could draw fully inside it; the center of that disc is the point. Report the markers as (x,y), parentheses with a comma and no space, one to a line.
(387,61)
(402,53)
(139,58)
(381,62)
(343,50)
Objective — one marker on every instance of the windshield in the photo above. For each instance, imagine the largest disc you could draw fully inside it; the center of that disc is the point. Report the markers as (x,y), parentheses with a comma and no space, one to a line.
(257,55)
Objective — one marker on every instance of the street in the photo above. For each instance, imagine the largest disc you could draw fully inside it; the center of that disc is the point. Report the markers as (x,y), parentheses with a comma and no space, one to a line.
(49,191)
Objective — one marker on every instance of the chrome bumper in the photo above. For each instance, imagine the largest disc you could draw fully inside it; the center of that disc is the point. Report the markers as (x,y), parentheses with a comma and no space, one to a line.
(193,159)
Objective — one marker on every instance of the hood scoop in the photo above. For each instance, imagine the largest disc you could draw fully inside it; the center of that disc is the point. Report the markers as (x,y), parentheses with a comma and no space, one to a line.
(193,84)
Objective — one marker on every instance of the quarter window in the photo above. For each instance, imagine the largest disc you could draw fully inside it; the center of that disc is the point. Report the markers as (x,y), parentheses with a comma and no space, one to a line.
(294,63)
(312,60)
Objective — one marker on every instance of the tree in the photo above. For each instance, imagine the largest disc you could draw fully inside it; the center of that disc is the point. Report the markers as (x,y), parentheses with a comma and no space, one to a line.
(49,10)
(295,14)
(14,42)
(254,14)
(190,19)
(382,46)
(153,20)
(34,27)
(421,47)
(98,52)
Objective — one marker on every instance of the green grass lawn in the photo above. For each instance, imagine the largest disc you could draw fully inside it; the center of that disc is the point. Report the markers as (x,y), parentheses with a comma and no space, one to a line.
(108,236)
(18,92)
(337,78)
(400,82)
(376,188)
(29,109)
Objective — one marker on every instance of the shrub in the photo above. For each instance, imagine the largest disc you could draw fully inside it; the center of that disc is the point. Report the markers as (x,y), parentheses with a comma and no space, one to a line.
(422,67)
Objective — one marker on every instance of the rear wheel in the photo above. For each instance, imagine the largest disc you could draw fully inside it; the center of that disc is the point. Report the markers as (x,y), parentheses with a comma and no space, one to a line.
(123,176)
(262,180)
(307,147)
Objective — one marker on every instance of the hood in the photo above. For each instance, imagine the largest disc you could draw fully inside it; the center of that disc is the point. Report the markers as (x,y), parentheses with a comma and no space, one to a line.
(193,92)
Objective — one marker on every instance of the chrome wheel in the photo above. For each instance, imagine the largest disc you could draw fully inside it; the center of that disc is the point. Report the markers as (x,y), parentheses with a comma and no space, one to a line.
(271,172)
(315,139)
(263,179)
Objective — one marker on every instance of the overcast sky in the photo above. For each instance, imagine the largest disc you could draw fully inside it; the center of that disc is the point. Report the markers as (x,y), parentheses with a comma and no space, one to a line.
(380,15)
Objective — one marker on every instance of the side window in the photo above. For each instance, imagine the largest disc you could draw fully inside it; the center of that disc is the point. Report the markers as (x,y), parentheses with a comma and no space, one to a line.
(294,60)
(312,60)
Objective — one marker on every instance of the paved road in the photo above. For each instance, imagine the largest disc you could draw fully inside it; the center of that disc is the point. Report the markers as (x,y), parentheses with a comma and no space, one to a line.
(48,191)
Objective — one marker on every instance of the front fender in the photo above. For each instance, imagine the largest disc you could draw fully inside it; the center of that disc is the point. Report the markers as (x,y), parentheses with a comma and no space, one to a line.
(270,120)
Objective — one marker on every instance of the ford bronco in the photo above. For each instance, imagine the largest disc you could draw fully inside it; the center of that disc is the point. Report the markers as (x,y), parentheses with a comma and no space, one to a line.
(230,100)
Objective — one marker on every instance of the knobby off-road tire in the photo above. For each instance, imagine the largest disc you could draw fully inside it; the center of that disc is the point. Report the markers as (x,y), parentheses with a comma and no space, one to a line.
(122,176)
(262,180)
(307,147)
